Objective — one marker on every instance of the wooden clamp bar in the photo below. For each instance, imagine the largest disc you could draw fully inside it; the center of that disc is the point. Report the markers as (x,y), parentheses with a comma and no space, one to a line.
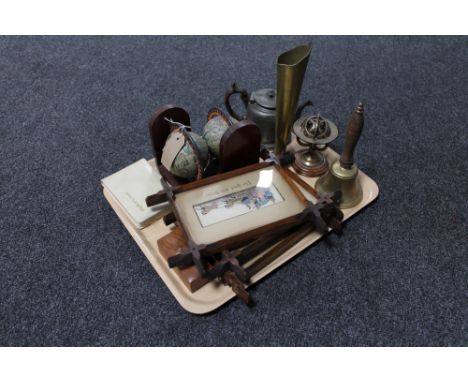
(229,278)
(193,254)
(156,199)
(279,249)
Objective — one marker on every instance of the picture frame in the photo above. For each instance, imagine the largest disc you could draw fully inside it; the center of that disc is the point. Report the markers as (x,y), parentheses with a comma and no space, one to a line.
(226,211)
(236,216)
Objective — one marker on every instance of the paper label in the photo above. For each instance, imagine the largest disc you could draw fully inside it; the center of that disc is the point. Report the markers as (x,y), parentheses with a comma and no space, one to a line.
(172,147)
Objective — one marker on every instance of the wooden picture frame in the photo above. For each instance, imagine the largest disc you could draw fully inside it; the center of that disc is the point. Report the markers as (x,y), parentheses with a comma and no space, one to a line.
(238,230)
(254,207)
(283,204)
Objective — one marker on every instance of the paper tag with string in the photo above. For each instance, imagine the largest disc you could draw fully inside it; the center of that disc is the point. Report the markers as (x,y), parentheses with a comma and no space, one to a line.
(171,149)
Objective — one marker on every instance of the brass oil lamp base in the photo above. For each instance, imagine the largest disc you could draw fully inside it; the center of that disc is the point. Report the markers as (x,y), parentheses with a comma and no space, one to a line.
(315,133)
(310,162)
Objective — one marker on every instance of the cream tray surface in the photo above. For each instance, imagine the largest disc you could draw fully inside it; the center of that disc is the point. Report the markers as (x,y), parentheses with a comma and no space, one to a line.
(214,294)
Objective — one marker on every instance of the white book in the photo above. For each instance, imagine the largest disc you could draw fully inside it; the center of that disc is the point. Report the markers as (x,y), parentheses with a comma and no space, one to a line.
(130,187)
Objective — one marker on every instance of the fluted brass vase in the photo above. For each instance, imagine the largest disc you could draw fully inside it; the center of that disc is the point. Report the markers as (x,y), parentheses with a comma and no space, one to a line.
(291,67)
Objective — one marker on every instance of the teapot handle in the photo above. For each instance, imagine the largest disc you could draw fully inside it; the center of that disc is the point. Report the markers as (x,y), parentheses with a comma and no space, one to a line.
(233,89)
(301,108)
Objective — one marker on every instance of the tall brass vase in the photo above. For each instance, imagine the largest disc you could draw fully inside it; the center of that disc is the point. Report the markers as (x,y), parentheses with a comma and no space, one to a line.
(291,67)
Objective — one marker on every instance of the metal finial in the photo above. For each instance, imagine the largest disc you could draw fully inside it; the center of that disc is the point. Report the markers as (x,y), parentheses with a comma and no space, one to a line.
(360,108)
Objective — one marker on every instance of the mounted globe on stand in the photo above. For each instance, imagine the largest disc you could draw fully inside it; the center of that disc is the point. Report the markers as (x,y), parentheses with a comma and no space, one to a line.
(236,142)
(314,132)
(192,159)
(217,124)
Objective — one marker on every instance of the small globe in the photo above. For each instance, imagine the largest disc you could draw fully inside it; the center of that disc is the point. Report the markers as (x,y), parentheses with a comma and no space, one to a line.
(185,163)
(213,132)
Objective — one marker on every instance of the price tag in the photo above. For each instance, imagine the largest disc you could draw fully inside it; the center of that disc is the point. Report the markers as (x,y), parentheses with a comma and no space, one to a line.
(173,145)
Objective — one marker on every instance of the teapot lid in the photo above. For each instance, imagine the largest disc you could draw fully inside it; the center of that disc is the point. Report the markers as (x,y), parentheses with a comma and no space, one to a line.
(265,98)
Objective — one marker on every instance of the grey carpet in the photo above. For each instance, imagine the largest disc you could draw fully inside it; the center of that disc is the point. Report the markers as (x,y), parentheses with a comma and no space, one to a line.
(73,110)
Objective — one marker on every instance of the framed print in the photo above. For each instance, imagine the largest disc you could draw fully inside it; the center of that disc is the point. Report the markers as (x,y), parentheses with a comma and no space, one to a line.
(237,205)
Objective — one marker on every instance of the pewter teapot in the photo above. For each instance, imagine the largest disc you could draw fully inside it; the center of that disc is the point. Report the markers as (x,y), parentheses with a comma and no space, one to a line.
(260,108)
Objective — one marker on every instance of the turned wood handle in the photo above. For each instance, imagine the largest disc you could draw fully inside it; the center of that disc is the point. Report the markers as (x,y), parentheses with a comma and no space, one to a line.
(353,132)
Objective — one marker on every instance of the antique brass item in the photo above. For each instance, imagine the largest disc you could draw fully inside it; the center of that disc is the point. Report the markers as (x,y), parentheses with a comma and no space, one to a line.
(342,175)
(291,67)
(316,133)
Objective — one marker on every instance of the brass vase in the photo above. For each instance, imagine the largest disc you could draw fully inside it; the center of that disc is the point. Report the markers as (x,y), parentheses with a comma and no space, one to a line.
(291,67)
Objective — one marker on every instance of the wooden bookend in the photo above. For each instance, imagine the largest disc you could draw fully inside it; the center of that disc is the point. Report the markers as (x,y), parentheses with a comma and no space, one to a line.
(160,129)
(239,146)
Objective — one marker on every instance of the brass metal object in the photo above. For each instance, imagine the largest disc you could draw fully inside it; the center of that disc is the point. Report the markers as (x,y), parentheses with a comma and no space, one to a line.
(344,180)
(316,133)
(342,175)
(291,67)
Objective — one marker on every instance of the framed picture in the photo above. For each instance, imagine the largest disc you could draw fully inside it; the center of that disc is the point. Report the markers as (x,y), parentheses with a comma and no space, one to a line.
(231,208)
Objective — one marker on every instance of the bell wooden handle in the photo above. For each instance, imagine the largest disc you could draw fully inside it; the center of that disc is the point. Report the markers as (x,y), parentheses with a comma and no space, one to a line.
(353,132)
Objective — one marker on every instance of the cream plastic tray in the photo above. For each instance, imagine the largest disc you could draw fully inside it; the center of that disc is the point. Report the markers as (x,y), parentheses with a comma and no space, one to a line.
(214,294)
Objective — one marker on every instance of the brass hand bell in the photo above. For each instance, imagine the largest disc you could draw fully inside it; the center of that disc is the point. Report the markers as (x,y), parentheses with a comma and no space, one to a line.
(342,175)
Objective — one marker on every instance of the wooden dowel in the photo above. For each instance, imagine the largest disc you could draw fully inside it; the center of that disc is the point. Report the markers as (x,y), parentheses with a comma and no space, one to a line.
(306,186)
(279,249)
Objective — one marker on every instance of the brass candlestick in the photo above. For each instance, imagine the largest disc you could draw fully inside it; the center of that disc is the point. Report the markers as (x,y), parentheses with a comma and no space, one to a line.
(343,173)
(316,133)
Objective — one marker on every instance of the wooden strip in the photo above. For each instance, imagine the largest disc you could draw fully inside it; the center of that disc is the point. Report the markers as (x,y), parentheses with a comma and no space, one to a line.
(306,186)
(284,173)
(219,177)
(279,249)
